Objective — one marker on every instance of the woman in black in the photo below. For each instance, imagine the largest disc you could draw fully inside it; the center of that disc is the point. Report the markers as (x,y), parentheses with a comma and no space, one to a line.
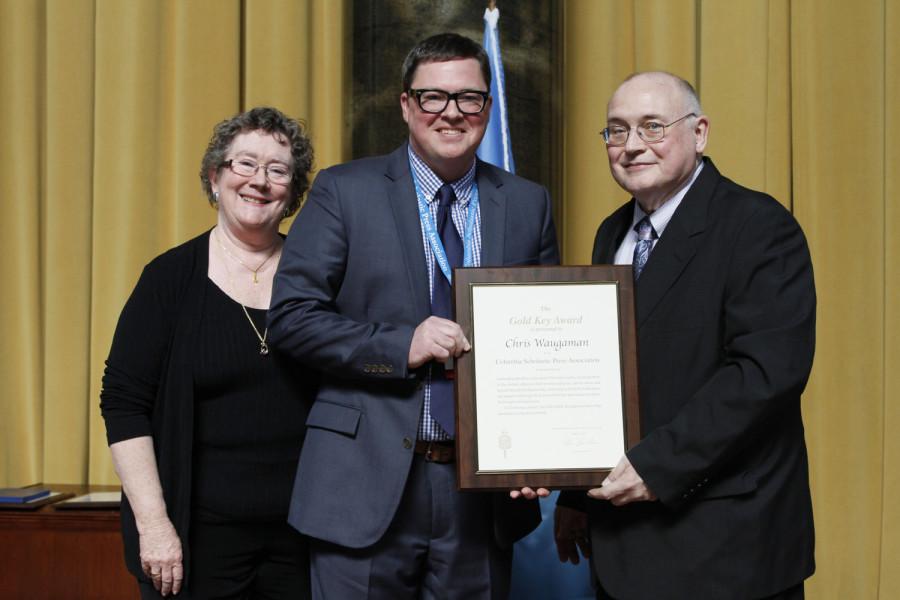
(205,421)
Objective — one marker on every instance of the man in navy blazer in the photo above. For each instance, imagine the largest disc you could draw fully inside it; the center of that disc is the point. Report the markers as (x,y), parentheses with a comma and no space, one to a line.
(376,486)
(714,501)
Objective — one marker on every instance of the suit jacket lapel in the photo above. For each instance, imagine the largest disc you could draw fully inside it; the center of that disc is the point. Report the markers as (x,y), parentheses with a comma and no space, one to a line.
(605,248)
(493,214)
(677,245)
(404,205)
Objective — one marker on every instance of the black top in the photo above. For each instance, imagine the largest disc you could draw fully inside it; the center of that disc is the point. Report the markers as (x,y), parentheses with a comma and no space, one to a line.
(148,384)
(248,420)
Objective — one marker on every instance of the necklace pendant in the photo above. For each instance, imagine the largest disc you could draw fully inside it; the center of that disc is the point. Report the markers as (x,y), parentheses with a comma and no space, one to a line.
(263,348)
(255,280)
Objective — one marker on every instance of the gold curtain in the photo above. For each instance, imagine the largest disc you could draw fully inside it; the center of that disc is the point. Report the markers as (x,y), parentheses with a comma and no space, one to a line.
(802,98)
(109,106)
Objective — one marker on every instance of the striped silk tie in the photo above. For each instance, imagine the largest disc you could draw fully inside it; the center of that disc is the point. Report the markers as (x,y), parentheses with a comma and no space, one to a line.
(646,236)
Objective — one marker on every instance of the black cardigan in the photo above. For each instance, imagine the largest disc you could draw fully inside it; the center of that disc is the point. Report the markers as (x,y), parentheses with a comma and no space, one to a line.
(150,391)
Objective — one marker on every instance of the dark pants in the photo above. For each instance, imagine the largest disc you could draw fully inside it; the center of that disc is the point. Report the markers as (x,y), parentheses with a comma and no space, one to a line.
(246,561)
(793,593)
(439,545)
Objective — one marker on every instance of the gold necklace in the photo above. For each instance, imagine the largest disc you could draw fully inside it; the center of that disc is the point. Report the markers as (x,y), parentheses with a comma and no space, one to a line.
(263,346)
(242,263)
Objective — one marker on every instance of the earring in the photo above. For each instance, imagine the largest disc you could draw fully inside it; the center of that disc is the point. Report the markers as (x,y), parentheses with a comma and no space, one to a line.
(216,199)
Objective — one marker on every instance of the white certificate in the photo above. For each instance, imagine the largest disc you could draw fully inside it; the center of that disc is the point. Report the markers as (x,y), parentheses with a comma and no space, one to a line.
(548,378)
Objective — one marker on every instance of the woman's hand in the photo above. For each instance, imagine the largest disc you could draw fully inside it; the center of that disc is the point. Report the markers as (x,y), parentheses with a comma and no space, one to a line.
(161,556)
(160,547)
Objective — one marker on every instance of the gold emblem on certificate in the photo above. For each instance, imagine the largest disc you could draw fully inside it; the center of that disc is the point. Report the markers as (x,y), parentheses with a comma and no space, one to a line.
(504,443)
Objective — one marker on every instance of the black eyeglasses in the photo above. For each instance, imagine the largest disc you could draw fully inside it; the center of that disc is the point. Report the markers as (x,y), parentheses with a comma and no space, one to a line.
(469,102)
(649,131)
(276,173)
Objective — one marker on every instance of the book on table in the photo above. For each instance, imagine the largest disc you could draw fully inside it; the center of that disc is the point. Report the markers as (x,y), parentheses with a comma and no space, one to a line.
(92,500)
(22,495)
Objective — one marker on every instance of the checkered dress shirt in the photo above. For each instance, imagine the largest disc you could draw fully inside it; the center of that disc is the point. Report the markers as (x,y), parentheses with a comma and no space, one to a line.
(429,183)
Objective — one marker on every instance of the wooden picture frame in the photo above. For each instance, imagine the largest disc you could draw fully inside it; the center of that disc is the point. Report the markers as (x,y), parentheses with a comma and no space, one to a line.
(548,396)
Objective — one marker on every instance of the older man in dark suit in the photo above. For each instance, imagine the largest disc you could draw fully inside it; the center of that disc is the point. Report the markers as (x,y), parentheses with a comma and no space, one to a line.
(714,501)
(363,294)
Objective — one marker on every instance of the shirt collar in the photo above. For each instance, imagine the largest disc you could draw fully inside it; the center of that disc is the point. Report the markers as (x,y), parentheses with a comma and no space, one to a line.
(662,215)
(430,183)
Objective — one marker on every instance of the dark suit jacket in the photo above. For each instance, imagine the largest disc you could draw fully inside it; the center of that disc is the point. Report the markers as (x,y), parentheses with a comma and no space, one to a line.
(351,288)
(725,311)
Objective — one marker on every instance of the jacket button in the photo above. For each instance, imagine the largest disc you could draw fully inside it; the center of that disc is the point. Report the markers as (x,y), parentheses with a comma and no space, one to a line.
(407,443)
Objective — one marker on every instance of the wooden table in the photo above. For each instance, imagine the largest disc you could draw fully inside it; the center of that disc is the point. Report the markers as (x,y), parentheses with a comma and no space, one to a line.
(53,554)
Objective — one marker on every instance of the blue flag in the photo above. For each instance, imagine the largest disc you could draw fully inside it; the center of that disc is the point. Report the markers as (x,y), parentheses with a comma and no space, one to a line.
(496,147)
(537,572)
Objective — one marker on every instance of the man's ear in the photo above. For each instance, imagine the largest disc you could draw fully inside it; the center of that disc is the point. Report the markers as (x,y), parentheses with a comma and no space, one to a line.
(404,106)
(701,132)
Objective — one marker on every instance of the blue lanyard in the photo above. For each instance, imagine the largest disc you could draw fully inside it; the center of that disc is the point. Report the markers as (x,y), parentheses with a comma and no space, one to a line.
(430,229)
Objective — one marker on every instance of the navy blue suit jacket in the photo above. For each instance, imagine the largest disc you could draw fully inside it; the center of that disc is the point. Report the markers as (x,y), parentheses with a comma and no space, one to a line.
(351,288)
(725,313)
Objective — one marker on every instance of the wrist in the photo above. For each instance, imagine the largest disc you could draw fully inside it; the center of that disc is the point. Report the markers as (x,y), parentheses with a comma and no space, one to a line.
(152,524)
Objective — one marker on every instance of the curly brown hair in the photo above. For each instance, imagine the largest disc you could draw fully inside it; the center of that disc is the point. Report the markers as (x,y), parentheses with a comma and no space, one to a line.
(273,121)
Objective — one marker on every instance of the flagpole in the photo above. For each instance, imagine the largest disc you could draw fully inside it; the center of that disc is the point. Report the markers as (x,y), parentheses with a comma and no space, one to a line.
(496,147)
